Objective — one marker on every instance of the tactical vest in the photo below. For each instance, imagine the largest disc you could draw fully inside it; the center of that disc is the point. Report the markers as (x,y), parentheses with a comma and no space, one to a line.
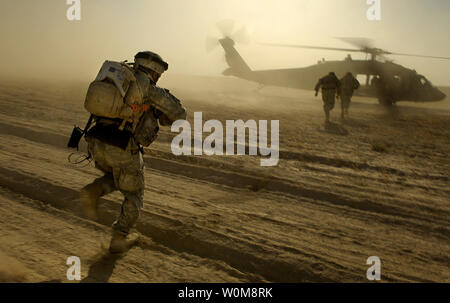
(329,82)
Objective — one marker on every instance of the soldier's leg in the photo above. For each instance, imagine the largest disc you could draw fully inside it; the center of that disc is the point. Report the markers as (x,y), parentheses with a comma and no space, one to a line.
(326,105)
(131,184)
(90,194)
(327,111)
(130,211)
(329,103)
(332,99)
(348,105)
(344,105)
(121,239)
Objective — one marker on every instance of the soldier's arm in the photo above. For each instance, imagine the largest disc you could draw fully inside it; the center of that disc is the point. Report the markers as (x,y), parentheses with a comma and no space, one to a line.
(318,85)
(167,103)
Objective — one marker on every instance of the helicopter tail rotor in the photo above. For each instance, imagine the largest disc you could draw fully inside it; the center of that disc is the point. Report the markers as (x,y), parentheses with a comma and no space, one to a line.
(226,29)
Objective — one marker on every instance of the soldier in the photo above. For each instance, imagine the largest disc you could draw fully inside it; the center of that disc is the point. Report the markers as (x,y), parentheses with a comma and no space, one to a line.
(348,85)
(118,153)
(330,87)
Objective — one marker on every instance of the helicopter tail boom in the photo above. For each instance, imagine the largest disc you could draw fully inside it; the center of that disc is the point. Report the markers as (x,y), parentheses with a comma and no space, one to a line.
(237,65)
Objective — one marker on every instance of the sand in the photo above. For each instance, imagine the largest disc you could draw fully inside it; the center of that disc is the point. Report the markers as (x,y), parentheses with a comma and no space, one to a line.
(376,185)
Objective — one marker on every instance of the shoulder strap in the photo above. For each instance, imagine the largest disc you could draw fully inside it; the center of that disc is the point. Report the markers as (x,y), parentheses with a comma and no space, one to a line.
(88,124)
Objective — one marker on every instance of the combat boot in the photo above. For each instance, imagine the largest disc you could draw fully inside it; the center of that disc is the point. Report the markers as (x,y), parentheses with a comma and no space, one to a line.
(120,243)
(89,197)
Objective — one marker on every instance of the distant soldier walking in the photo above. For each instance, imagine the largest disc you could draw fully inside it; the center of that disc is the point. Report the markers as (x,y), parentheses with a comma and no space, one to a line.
(330,87)
(348,85)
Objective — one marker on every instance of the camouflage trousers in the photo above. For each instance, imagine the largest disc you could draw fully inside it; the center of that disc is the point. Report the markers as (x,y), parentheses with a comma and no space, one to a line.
(345,101)
(124,171)
(328,97)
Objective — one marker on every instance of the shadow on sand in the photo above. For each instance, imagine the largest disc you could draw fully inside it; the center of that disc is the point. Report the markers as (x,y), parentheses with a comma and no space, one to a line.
(102,269)
(335,129)
(392,112)
(353,123)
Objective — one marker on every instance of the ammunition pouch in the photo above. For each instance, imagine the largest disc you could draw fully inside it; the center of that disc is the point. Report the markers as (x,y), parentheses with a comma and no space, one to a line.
(147,129)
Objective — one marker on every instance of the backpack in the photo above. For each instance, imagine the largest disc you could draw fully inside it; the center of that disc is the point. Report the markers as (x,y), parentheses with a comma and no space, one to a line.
(104,97)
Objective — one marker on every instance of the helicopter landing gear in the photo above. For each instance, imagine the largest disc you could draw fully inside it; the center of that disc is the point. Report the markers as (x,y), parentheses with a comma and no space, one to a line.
(390,107)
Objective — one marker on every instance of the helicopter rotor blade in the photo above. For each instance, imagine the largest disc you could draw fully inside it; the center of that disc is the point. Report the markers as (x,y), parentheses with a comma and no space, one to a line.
(422,56)
(312,47)
(211,43)
(226,27)
(363,43)
(241,36)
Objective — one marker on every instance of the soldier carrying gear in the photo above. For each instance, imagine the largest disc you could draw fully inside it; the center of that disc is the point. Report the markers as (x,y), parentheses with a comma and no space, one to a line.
(348,85)
(120,131)
(330,88)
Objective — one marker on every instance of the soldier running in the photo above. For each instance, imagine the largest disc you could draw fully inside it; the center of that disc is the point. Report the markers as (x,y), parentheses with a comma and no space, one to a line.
(348,85)
(118,153)
(330,87)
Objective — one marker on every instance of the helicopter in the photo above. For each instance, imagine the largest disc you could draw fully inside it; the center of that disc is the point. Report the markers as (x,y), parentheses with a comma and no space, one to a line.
(385,80)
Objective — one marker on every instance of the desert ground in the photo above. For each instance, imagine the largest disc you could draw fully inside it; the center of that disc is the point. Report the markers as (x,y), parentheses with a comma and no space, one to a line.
(375,185)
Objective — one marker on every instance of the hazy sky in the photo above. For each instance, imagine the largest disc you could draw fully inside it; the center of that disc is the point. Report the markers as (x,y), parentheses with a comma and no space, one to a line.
(39,41)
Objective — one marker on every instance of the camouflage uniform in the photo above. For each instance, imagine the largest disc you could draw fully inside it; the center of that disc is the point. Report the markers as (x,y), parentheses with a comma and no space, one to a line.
(124,168)
(348,85)
(330,86)
(124,171)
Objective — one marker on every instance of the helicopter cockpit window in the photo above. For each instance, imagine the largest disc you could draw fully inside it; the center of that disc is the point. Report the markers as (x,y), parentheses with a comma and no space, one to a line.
(423,82)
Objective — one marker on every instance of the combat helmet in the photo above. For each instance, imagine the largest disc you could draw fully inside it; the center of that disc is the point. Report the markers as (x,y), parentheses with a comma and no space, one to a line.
(150,63)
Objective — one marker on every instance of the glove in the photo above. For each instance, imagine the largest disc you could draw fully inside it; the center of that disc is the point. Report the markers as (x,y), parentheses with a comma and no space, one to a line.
(317,92)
